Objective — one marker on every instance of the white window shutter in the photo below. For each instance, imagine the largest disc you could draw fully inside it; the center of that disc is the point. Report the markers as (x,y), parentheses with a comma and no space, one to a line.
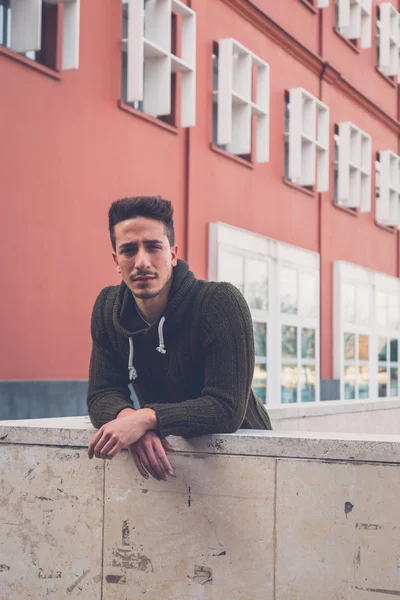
(344,13)
(344,164)
(71,27)
(323,154)
(262,124)
(26,25)
(384,42)
(383,202)
(322,3)
(135,51)
(366,24)
(225,83)
(295,130)
(366,159)
(188,103)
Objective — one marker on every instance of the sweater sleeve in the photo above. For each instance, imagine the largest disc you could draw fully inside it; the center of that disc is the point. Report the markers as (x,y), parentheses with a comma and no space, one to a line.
(228,348)
(108,391)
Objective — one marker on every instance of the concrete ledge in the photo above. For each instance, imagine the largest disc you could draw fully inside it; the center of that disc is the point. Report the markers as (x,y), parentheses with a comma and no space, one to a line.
(332,407)
(77,432)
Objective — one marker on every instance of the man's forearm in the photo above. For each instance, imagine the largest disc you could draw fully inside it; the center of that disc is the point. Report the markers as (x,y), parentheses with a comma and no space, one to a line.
(147,414)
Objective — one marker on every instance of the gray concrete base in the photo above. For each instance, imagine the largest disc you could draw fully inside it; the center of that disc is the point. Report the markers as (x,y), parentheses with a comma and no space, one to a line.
(40,399)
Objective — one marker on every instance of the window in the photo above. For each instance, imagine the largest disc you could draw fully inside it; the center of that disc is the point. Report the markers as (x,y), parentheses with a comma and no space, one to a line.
(240,95)
(353,156)
(354,20)
(319,3)
(366,332)
(281,285)
(29,27)
(387,168)
(306,140)
(388,39)
(153,55)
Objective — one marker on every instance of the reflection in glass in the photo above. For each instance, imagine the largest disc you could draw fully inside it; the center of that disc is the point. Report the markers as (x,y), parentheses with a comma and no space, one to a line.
(381,308)
(349,303)
(231,269)
(349,346)
(394,312)
(260,338)
(363,345)
(382,382)
(382,349)
(288,290)
(394,350)
(363,306)
(289,342)
(308,295)
(349,383)
(394,381)
(257,284)
(363,381)
(307,383)
(289,384)
(308,343)
(259,384)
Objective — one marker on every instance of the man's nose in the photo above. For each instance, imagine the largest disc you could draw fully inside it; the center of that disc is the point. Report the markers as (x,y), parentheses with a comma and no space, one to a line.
(142,260)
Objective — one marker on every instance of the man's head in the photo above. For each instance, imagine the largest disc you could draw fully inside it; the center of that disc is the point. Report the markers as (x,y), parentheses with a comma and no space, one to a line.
(143,240)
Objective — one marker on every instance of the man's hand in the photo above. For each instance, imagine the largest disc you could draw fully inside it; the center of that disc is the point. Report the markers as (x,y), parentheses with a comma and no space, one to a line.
(122,432)
(149,456)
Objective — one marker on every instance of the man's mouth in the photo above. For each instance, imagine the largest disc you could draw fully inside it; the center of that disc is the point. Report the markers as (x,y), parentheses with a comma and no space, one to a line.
(142,278)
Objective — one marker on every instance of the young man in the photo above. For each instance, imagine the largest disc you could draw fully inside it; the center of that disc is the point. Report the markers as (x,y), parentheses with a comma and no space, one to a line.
(185,345)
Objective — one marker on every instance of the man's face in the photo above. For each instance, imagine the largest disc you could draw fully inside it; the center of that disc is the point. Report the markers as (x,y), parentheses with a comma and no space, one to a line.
(144,256)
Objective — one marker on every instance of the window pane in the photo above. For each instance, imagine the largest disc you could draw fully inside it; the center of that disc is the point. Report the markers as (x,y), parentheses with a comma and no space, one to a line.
(349,383)
(260,338)
(381,308)
(307,383)
(260,382)
(257,284)
(363,345)
(394,381)
(394,311)
(231,269)
(289,384)
(289,342)
(288,289)
(308,343)
(382,382)
(363,382)
(394,350)
(349,303)
(308,295)
(382,349)
(363,306)
(349,346)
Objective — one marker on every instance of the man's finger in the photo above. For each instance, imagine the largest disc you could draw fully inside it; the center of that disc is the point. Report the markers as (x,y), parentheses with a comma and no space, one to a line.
(108,447)
(153,460)
(103,440)
(138,464)
(116,448)
(94,441)
(167,446)
(146,463)
(161,456)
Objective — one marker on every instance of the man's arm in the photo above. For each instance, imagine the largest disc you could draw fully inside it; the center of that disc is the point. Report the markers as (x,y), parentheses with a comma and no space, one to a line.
(228,346)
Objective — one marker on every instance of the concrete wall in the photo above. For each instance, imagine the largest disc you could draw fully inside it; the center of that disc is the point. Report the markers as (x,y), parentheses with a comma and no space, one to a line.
(254,515)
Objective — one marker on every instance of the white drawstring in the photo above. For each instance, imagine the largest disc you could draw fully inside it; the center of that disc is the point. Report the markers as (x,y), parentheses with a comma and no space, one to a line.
(131,369)
(161,348)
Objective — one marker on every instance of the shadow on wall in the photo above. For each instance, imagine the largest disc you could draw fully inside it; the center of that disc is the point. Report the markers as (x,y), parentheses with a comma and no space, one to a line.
(40,399)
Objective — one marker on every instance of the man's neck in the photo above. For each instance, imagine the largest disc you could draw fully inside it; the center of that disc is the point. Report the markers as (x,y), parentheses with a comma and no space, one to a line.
(151,309)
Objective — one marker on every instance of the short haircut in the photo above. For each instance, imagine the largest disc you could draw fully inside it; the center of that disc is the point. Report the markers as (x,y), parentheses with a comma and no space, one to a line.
(152,207)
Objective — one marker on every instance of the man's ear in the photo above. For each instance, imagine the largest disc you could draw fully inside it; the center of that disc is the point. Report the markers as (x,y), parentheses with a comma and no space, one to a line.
(174,255)
(116,262)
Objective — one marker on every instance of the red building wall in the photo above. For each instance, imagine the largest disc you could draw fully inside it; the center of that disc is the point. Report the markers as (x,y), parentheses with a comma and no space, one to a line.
(70,150)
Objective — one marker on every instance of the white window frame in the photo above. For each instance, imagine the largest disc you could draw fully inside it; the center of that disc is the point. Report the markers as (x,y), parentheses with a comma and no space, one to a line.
(26,28)
(388,202)
(235,100)
(389,40)
(227,238)
(355,160)
(355,20)
(359,277)
(151,61)
(308,140)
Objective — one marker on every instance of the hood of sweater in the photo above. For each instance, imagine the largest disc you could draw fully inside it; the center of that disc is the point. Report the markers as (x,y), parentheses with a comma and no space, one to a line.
(127,320)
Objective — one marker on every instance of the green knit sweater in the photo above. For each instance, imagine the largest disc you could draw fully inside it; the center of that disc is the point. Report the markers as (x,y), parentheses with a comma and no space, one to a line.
(194,367)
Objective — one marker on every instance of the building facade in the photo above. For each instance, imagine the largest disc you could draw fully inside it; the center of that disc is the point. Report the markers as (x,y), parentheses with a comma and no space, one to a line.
(274,129)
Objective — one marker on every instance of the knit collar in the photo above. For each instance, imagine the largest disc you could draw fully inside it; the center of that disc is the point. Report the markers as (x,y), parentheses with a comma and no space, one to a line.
(128,322)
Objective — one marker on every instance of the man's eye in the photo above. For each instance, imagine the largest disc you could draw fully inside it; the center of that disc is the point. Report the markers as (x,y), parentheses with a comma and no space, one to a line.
(154,247)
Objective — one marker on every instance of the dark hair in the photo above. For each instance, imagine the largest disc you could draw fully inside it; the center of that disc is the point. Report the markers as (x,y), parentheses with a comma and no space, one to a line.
(152,207)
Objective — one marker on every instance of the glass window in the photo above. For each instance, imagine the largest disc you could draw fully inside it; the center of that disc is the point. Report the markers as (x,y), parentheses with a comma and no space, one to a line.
(257,283)
(349,303)
(289,380)
(381,309)
(288,290)
(308,295)
(289,342)
(307,383)
(382,349)
(394,311)
(231,268)
(363,306)
(363,347)
(356,366)
(308,343)
(382,382)
(260,338)
(363,382)
(349,382)
(259,385)
(349,346)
